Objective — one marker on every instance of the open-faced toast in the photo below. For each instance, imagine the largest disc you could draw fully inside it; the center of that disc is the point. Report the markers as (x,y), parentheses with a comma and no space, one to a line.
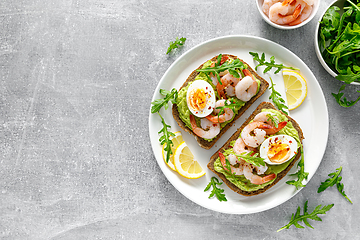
(247,188)
(208,143)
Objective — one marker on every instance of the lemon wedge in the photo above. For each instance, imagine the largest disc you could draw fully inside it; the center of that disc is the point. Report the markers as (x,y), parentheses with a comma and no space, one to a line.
(185,164)
(295,87)
(177,139)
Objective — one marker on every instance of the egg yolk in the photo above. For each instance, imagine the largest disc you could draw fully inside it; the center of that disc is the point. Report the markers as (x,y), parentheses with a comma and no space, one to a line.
(198,99)
(278,152)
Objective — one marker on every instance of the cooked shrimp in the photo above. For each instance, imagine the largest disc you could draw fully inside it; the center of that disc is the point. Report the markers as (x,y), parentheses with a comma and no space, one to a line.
(288,7)
(237,170)
(227,86)
(267,4)
(240,147)
(233,81)
(303,16)
(258,136)
(261,169)
(233,159)
(247,87)
(276,12)
(212,129)
(264,117)
(226,116)
(214,79)
(272,130)
(256,179)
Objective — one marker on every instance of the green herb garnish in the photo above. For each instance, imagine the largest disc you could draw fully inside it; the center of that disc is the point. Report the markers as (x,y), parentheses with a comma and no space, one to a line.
(218,192)
(165,138)
(230,66)
(301,174)
(231,104)
(232,175)
(339,43)
(344,102)
(269,65)
(156,106)
(178,42)
(159,103)
(277,99)
(251,158)
(340,188)
(273,120)
(335,178)
(246,157)
(295,219)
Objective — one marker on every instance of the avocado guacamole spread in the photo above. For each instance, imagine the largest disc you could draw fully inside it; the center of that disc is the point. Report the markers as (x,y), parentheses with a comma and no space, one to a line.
(184,112)
(240,181)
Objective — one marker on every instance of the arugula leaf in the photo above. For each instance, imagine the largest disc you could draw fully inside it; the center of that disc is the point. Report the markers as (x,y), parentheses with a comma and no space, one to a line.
(339,41)
(252,158)
(344,102)
(330,181)
(277,99)
(218,192)
(178,42)
(269,65)
(165,138)
(230,66)
(349,76)
(159,103)
(340,187)
(301,174)
(230,103)
(295,219)
(335,178)
(273,120)
(156,106)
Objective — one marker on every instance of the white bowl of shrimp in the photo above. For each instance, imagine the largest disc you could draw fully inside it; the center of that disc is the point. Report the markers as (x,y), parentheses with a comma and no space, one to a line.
(288,14)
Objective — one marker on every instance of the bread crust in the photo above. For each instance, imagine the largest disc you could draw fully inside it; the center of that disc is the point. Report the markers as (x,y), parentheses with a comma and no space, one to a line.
(202,142)
(263,105)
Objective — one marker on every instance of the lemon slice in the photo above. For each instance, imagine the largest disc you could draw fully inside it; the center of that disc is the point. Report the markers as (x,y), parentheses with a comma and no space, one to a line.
(185,163)
(177,139)
(295,87)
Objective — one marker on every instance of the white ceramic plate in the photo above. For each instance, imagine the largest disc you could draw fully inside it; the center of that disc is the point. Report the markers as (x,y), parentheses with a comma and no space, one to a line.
(312,116)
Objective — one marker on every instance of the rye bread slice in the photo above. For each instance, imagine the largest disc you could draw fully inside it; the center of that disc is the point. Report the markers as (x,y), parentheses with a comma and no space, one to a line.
(263,105)
(202,142)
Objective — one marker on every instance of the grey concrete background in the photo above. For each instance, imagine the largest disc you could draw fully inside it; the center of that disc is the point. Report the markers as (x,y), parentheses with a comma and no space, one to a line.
(77,78)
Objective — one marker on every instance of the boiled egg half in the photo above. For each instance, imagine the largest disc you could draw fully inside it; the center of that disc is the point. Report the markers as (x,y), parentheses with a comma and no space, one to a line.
(200,98)
(278,149)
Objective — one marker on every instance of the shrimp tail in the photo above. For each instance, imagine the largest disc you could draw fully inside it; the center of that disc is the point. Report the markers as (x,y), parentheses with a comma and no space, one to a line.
(269,177)
(297,11)
(261,180)
(220,88)
(222,160)
(272,130)
(193,122)
(248,73)
(214,119)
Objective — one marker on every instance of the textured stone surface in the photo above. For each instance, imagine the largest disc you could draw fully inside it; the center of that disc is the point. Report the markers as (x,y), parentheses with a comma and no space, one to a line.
(77,78)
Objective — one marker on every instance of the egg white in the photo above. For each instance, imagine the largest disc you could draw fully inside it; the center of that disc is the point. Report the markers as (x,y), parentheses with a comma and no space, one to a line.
(210,98)
(264,148)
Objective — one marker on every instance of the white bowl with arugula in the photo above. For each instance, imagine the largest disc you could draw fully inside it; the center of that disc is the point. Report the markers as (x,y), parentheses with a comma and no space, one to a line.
(315,7)
(335,41)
